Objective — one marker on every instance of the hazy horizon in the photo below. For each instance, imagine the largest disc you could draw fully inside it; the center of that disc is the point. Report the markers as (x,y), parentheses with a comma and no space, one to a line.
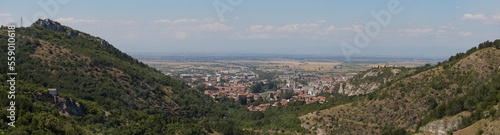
(433,29)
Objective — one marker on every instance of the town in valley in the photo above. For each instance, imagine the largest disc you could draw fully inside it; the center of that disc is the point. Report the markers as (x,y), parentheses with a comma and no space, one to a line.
(264,82)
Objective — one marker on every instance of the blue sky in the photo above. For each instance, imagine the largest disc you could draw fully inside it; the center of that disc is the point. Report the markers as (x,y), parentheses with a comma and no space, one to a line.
(423,28)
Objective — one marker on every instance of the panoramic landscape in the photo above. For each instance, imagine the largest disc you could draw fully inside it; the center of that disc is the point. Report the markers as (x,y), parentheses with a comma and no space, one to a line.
(241,67)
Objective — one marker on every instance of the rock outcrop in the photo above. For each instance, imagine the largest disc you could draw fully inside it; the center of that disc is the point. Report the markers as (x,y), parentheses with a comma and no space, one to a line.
(368,82)
(55,26)
(364,88)
(65,106)
(442,126)
(49,24)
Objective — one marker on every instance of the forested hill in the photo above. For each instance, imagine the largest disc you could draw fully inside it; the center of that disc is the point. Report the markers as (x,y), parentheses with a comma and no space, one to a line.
(99,88)
(460,95)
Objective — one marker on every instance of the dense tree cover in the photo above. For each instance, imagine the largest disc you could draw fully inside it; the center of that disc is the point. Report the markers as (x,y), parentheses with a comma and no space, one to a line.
(266,75)
(261,87)
(139,99)
(257,87)
(481,99)
(242,99)
(291,94)
(286,117)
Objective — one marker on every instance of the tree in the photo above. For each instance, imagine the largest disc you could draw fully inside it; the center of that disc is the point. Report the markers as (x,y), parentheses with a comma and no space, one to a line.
(251,100)
(432,103)
(242,99)
(201,87)
(257,88)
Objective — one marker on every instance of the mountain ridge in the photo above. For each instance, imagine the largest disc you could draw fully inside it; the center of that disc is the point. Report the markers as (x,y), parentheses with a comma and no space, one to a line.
(412,101)
(99,88)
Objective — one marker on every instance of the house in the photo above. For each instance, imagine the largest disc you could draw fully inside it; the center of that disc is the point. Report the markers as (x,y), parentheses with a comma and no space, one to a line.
(321,99)
(324,81)
(276,104)
(239,88)
(312,93)
(52,91)
(284,101)
(261,107)
(251,108)
(310,90)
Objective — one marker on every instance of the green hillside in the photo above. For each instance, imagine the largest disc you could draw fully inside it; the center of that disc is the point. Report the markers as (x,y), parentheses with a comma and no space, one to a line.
(467,82)
(100,89)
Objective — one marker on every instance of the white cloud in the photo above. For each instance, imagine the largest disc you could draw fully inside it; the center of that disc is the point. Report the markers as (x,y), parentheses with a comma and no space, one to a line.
(73,20)
(495,17)
(346,29)
(474,17)
(8,21)
(298,30)
(162,21)
(326,30)
(461,33)
(448,26)
(458,7)
(289,28)
(260,36)
(193,25)
(5,14)
(185,21)
(331,28)
(306,27)
(444,31)
(260,28)
(191,28)
(118,22)
(415,32)
(213,27)
(181,35)
(236,18)
(265,36)
(486,19)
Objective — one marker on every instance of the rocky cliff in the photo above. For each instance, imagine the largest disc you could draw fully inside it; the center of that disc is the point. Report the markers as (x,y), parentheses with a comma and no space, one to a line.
(55,26)
(368,81)
(65,106)
(442,126)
